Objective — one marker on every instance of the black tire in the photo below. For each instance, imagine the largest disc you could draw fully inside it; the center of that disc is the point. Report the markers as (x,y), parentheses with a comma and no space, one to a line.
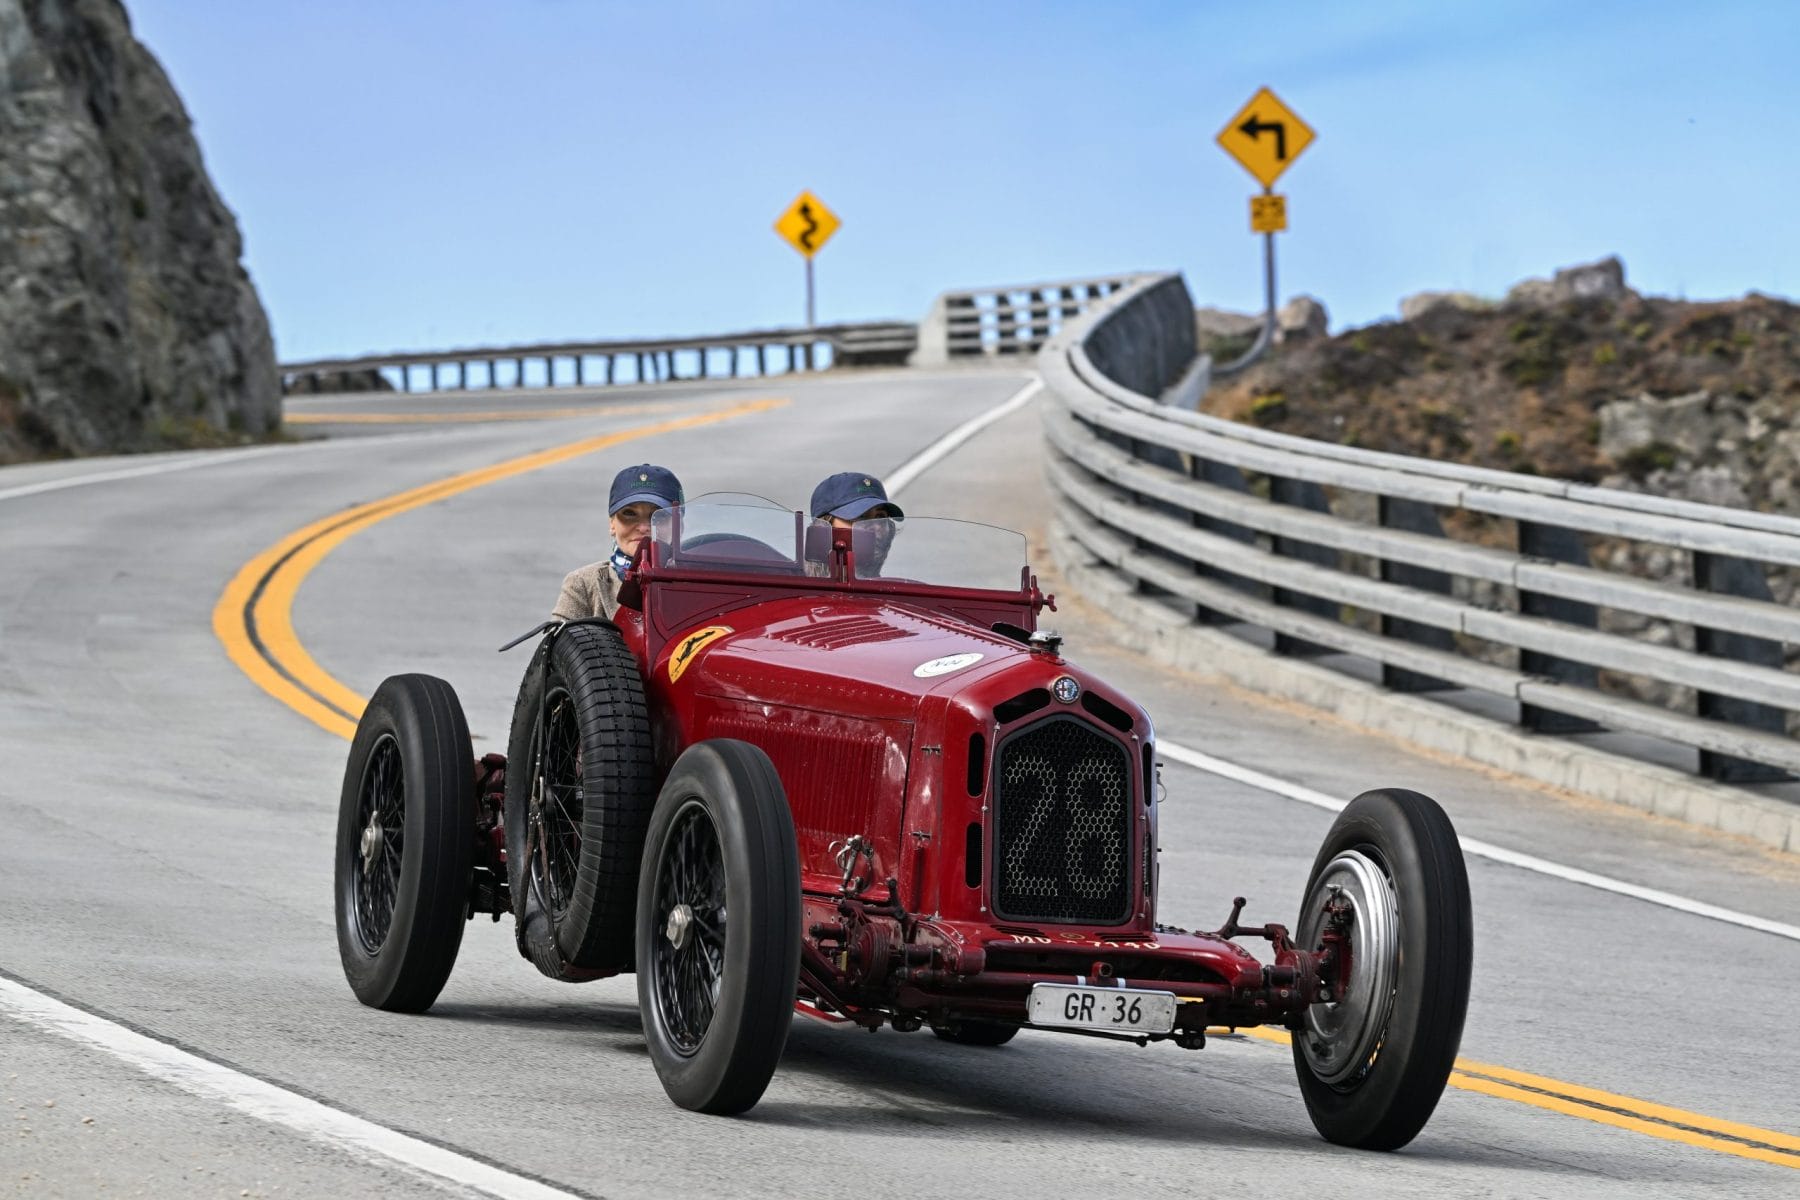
(716,986)
(405,844)
(976,1033)
(572,864)
(1373,1062)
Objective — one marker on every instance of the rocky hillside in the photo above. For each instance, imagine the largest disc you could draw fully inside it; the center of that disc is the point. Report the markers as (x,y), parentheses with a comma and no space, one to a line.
(1577,377)
(127,321)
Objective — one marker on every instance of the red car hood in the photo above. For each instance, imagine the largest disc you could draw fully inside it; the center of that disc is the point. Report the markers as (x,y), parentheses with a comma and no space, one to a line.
(868,656)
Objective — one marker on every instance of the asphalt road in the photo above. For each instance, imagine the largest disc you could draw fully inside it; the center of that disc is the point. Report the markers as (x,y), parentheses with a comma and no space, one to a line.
(165,867)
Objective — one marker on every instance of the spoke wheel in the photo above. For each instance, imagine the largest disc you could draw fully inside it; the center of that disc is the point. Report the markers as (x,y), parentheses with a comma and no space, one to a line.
(718,927)
(687,962)
(1373,1059)
(405,844)
(557,808)
(375,871)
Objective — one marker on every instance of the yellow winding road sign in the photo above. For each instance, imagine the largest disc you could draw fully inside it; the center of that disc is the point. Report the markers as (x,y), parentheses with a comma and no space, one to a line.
(807,224)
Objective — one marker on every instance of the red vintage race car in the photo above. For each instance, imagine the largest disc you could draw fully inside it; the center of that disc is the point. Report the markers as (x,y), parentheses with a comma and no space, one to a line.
(844,772)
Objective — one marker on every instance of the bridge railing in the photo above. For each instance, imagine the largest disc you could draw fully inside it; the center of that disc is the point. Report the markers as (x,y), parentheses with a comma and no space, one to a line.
(1446,576)
(639,360)
(1006,321)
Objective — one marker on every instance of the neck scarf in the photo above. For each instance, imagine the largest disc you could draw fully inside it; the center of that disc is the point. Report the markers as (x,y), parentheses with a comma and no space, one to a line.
(621,563)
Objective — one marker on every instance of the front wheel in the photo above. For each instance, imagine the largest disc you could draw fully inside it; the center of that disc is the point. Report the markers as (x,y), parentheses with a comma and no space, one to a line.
(405,844)
(718,927)
(1374,1058)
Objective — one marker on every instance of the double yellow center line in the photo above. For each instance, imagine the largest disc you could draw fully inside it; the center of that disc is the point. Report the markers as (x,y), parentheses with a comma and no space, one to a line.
(1610,1108)
(253,618)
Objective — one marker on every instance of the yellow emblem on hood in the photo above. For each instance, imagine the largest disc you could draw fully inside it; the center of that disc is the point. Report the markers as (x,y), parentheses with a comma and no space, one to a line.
(688,647)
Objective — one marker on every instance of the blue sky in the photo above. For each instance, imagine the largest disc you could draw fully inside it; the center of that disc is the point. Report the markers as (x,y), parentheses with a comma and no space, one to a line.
(413,174)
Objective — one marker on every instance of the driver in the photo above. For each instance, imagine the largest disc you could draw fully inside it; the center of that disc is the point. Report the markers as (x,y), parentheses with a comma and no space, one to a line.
(849,498)
(637,493)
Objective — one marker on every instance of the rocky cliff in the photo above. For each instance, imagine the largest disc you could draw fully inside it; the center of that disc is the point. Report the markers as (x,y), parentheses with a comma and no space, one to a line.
(1577,377)
(127,321)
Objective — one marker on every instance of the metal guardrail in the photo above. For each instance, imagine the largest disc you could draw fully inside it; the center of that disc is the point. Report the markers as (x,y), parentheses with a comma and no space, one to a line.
(1013,319)
(639,360)
(1333,548)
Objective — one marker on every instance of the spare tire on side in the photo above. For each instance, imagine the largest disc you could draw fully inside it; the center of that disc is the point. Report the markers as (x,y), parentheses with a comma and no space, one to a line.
(580,784)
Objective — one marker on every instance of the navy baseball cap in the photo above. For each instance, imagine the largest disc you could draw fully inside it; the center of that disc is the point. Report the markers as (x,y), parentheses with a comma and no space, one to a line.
(645,482)
(850,494)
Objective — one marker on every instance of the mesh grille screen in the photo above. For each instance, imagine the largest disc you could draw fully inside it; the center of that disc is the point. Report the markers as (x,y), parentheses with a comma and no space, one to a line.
(1062,798)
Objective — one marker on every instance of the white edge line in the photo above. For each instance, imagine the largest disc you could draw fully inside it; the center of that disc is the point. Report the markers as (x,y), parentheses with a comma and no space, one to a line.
(202,458)
(191,459)
(265,1101)
(935,453)
(1512,858)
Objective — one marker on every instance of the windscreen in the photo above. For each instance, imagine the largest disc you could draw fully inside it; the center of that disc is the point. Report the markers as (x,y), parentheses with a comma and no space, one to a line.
(939,551)
(729,533)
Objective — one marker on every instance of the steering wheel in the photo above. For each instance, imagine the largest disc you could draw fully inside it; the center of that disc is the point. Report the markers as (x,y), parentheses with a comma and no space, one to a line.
(737,548)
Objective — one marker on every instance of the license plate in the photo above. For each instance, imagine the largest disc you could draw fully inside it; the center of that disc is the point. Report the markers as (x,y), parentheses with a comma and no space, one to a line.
(1124,1010)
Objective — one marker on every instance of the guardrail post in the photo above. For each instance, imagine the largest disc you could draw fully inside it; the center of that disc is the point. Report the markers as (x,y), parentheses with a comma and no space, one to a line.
(1302,493)
(1221,475)
(1037,322)
(1737,577)
(1415,517)
(962,327)
(1006,325)
(1070,308)
(1557,544)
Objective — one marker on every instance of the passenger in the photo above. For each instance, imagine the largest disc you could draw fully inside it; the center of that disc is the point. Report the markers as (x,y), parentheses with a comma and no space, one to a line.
(637,493)
(850,497)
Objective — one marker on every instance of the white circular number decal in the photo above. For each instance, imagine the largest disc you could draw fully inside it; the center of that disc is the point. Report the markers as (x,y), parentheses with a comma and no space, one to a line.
(945,665)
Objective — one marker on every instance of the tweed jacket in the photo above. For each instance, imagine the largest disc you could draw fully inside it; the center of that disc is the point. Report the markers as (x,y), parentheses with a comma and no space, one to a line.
(590,591)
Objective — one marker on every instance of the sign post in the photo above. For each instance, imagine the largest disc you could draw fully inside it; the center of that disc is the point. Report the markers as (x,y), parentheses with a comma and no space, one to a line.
(806,226)
(1265,137)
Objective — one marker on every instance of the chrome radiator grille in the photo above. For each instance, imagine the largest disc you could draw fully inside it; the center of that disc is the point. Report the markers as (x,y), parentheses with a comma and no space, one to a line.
(1062,801)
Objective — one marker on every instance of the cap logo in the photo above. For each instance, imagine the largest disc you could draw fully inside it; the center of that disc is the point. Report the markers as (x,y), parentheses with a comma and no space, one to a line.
(643,478)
